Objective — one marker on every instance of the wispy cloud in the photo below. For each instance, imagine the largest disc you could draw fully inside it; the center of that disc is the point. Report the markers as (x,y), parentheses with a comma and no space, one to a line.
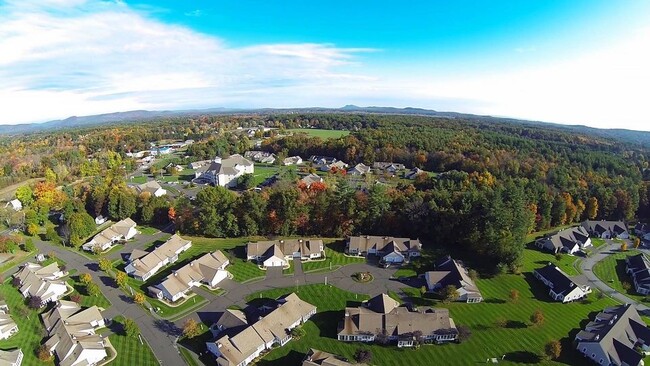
(73,60)
(194,13)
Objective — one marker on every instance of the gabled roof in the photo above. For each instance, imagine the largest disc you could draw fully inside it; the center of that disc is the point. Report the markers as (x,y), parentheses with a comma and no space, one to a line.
(599,227)
(6,323)
(567,239)
(282,248)
(320,358)
(382,303)
(227,166)
(561,282)
(311,179)
(150,261)
(201,269)
(10,357)
(616,330)
(383,244)
(452,272)
(151,186)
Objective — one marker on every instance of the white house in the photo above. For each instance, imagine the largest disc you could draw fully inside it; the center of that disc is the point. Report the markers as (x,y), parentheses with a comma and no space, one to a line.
(12,357)
(119,232)
(569,240)
(292,160)
(8,326)
(561,287)
(72,334)
(15,204)
(606,229)
(224,172)
(44,282)
(100,220)
(278,253)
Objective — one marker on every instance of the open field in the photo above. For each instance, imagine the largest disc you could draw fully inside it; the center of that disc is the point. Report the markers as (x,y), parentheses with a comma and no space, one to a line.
(611,270)
(536,258)
(8,193)
(324,134)
(30,329)
(129,350)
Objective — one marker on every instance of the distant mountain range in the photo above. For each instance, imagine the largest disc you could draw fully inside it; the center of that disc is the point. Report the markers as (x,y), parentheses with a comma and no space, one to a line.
(629,136)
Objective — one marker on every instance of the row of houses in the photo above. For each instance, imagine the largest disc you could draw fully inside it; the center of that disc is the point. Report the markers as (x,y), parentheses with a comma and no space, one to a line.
(240,341)
(44,282)
(321,358)
(278,253)
(389,249)
(578,238)
(72,334)
(209,269)
(383,316)
(119,232)
(142,265)
(638,267)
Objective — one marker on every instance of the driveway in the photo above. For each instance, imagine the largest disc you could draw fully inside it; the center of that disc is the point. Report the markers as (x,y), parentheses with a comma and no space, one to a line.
(587,266)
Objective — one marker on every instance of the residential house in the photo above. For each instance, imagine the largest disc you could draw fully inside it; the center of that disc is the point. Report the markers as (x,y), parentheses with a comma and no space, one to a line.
(359,169)
(292,160)
(271,330)
(638,267)
(143,265)
(117,233)
(72,334)
(387,167)
(224,172)
(448,272)
(320,358)
(382,315)
(179,168)
(99,220)
(614,337)
(152,187)
(8,326)
(413,173)
(388,248)
(15,204)
(335,166)
(44,282)
(569,241)
(561,287)
(606,229)
(231,322)
(310,179)
(165,150)
(12,357)
(277,253)
(209,269)
(260,156)
(199,164)
(640,229)
(319,160)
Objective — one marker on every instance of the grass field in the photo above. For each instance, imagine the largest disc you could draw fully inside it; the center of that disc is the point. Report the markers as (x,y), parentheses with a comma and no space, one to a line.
(519,341)
(324,134)
(147,230)
(86,300)
(30,329)
(263,172)
(129,350)
(334,254)
(535,258)
(611,270)
(138,180)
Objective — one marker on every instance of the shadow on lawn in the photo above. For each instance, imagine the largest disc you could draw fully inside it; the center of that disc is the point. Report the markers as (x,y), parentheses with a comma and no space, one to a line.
(522,357)
(293,358)
(539,290)
(327,322)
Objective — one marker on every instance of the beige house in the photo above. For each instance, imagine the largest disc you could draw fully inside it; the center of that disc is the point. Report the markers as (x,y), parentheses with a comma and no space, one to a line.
(224,172)
(273,329)
(44,282)
(388,248)
(210,269)
(72,336)
(153,188)
(12,357)
(277,253)
(8,326)
(143,265)
(320,358)
(119,232)
(383,315)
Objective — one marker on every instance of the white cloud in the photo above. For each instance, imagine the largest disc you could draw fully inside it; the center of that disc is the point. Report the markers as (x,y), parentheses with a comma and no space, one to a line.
(113,59)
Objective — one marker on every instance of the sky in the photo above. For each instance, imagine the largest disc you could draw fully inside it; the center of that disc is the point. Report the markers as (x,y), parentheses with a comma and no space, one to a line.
(574,62)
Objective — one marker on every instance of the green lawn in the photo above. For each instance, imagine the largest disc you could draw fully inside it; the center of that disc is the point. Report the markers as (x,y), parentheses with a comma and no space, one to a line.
(335,258)
(86,300)
(597,243)
(30,329)
(147,230)
(519,341)
(129,350)
(534,258)
(324,134)
(138,180)
(263,172)
(611,270)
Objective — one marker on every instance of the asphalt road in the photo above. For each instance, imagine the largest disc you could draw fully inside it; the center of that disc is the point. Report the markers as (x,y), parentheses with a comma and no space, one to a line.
(587,266)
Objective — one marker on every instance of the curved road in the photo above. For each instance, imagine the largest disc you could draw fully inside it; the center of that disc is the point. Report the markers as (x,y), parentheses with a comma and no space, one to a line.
(586,267)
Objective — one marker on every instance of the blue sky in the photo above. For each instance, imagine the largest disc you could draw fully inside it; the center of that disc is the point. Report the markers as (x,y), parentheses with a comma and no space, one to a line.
(576,62)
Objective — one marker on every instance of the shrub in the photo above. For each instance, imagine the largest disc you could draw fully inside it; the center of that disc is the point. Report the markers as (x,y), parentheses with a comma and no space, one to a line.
(131,328)
(463,333)
(35,302)
(92,289)
(43,354)
(85,278)
(75,298)
(363,355)
(514,295)
(191,328)
(298,332)
(624,246)
(104,264)
(501,322)
(537,318)
(29,245)
(139,298)
(626,285)
(15,282)
(553,349)
(449,293)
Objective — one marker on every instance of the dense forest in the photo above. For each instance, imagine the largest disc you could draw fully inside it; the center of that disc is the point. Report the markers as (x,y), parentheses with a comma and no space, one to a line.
(494,182)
